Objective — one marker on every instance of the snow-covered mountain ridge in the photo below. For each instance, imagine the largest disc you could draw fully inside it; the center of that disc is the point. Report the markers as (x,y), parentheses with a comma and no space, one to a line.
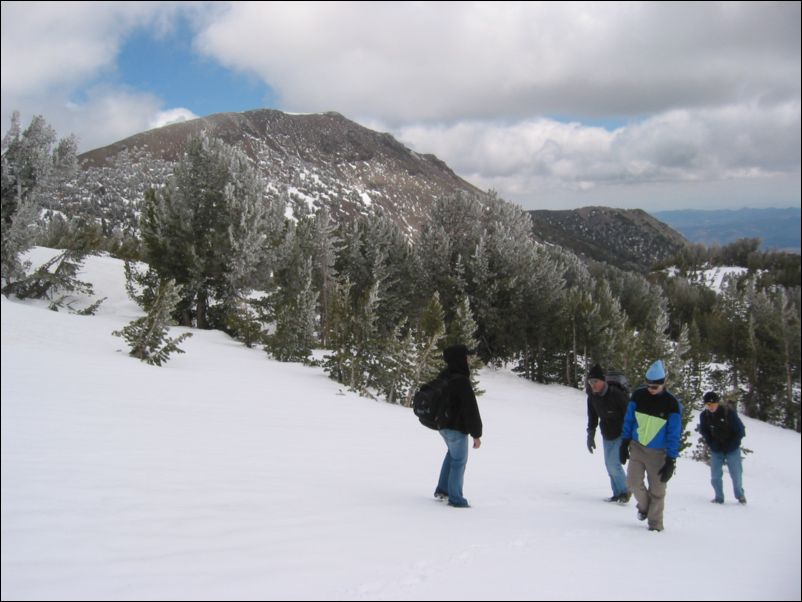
(321,159)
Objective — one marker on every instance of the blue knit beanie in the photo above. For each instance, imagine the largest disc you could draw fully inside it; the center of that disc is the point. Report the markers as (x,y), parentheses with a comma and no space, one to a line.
(656,374)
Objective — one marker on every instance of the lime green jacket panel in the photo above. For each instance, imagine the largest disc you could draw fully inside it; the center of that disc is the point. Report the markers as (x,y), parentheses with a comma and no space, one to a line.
(648,427)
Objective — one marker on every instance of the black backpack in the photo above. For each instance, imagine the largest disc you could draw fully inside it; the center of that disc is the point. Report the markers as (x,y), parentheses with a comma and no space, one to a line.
(618,379)
(430,403)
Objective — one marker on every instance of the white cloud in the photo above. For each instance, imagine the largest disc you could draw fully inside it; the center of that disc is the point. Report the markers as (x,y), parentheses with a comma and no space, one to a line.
(504,92)
(47,45)
(107,115)
(572,101)
(403,62)
(52,52)
(171,116)
(522,160)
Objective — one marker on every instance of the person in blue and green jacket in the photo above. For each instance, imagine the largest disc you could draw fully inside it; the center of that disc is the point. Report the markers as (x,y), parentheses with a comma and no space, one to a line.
(650,441)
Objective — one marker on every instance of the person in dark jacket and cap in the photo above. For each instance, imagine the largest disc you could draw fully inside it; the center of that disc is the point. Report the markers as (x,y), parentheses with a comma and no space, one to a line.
(462,419)
(607,404)
(723,430)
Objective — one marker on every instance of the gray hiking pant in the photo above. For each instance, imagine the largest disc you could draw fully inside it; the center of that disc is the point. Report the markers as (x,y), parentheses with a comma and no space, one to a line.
(651,499)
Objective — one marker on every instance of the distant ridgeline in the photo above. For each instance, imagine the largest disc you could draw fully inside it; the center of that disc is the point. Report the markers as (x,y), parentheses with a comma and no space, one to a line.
(778,229)
(630,239)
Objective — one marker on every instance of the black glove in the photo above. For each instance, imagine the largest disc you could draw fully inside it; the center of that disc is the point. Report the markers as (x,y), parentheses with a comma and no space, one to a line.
(591,441)
(668,469)
(623,453)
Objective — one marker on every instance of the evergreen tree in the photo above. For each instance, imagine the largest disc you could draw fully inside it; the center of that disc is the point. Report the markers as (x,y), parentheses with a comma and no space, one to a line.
(372,250)
(446,240)
(294,334)
(394,377)
(324,257)
(112,196)
(681,383)
(57,281)
(355,342)
(767,398)
(581,313)
(367,342)
(206,228)
(428,336)
(787,306)
(652,343)
(484,287)
(541,318)
(340,335)
(730,325)
(245,319)
(147,336)
(697,372)
(609,335)
(462,331)
(34,170)
(247,219)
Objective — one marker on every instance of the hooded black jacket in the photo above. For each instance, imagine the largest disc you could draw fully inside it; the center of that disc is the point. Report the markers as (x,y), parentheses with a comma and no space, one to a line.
(463,411)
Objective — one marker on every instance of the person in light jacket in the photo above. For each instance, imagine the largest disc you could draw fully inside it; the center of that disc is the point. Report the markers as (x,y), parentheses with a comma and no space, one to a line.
(650,441)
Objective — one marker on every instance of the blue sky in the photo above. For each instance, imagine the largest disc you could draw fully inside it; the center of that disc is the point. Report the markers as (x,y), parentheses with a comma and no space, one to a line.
(553,105)
(167,66)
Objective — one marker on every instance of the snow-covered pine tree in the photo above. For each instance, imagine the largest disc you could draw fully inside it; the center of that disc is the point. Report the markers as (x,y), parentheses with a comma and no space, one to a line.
(537,319)
(33,175)
(295,313)
(581,312)
(369,344)
(141,287)
(147,336)
(681,384)
(393,376)
(56,280)
(787,314)
(358,347)
(609,338)
(774,332)
(245,320)
(113,195)
(652,342)
(206,227)
(324,257)
(443,245)
(462,331)
(484,288)
(392,261)
(428,336)
(340,335)
(247,218)
(18,236)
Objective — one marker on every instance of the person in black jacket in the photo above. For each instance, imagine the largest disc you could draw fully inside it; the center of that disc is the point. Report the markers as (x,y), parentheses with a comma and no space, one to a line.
(462,419)
(723,430)
(607,404)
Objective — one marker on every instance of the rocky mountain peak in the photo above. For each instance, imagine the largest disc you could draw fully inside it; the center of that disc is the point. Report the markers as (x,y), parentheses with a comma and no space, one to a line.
(321,159)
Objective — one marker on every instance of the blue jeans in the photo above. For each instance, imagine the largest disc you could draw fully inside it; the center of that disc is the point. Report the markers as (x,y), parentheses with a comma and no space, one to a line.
(733,462)
(618,480)
(452,473)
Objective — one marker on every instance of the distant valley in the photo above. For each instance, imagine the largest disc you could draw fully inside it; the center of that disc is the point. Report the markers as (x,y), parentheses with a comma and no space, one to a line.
(778,229)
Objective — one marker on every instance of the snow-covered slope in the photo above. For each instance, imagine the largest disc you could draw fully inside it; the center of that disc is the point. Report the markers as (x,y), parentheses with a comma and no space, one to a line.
(225,475)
